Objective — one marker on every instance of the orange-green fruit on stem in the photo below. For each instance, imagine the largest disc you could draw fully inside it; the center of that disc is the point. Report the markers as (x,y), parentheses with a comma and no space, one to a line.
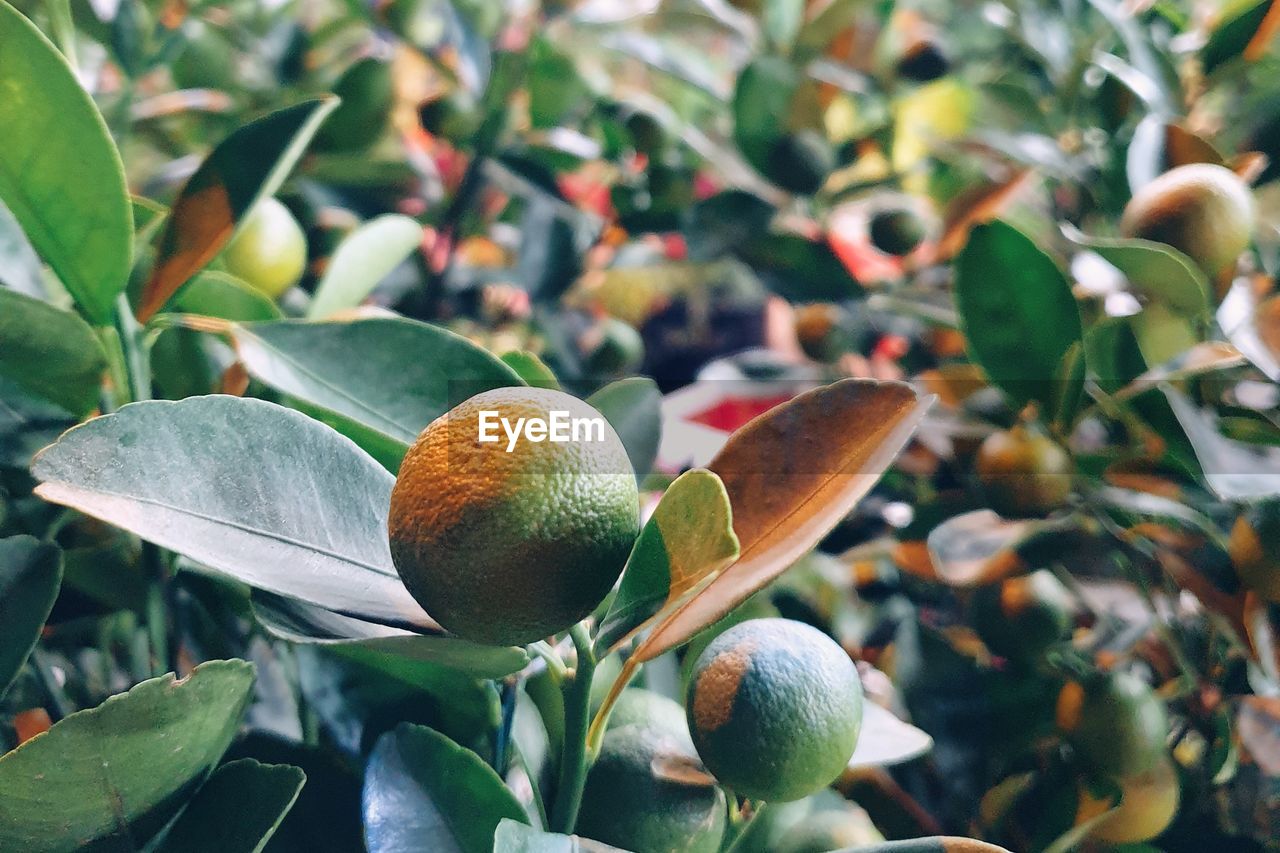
(1023,617)
(1148,804)
(775,707)
(269,252)
(1204,211)
(642,794)
(1023,473)
(820,329)
(1255,549)
(510,547)
(1115,721)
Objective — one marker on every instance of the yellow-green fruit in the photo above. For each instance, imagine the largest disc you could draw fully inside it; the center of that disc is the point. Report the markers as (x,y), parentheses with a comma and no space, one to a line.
(511,546)
(774,707)
(1021,618)
(1204,211)
(1148,804)
(1115,721)
(1255,549)
(1023,473)
(269,251)
(640,795)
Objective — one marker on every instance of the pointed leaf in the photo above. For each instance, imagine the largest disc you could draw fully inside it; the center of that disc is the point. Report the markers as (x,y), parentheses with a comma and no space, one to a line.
(249,164)
(633,407)
(884,740)
(60,173)
(531,369)
(115,774)
(792,474)
(1155,270)
(424,793)
(222,295)
(514,837)
(30,573)
(49,352)
(252,490)
(1017,311)
(688,540)
(237,810)
(1232,469)
(364,257)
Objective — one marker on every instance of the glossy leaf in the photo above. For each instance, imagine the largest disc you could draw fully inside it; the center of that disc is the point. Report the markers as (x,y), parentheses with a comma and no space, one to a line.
(60,173)
(977,548)
(379,381)
(514,837)
(249,164)
(1159,146)
(50,353)
(424,793)
(251,490)
(106,777)
(884,740)
(1239,24)
(1017,311)
(1253,327)
(237,810)
(687,541)
(222,295)
(531,369)
(633,407)
(364,257)
(933,844)
(1232,469)
(1155,270)
(30,573)
(791,475)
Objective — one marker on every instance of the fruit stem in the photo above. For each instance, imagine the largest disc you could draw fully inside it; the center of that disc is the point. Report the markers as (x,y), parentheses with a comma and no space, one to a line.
(577,717)
(745,829)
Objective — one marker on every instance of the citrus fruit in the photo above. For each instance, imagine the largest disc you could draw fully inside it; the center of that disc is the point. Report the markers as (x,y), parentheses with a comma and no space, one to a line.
(799,162)
(358,122)
(1148,804)
(1021,618)
(507,540)
(642,795)
(1023,473)
(1115,721)
(832,829)
(820,329)
(1204,211)
(619,350)
(269,252)
(1255,548)
(637,706)
(774,707)
(895,231)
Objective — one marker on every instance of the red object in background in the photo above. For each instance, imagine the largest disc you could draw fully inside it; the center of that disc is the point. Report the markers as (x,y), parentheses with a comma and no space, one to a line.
(733,412)
(891,347)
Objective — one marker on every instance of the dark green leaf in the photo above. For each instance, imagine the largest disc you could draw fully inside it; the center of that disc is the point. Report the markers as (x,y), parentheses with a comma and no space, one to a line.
(30,572)
(51,353)
(1017,311)
(633,407)
(237,810)
(249,164)
(1155,270)
(1239,22)
(364,257)
(60,173)
(252,490)
(108,778)
(424,793)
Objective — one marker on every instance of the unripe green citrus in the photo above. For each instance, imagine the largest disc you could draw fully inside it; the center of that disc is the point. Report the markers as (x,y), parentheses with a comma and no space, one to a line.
(1255,549)
(1148,804)
(1204,211)
(1023,473)
(269,251)
(774,707)
(640,707)
(510,547)
(895,231)
(620,350)
(1021,618)
(799,162)
(832,829)
(638,797)
(367,96)
(1115,721)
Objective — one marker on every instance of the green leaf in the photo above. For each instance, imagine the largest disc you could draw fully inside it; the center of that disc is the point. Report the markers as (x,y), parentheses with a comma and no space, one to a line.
(1157,271)
(107,778)
(249,489)
(60,173)
(633,407)
(514,837)
(687,541)
(30,573)
(780,22)
(222,295)
(51,353)
(237,810)
(1238,23)
(364,257)
(1017,311)
(771,97)
(424,793)
(884,740)
(530,369)
(830,21)
(1234,470)
(379,381)
(391,650)
(248,165)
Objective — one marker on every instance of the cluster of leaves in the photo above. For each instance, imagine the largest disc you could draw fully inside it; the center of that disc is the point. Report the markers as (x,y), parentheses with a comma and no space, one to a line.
(565,195)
